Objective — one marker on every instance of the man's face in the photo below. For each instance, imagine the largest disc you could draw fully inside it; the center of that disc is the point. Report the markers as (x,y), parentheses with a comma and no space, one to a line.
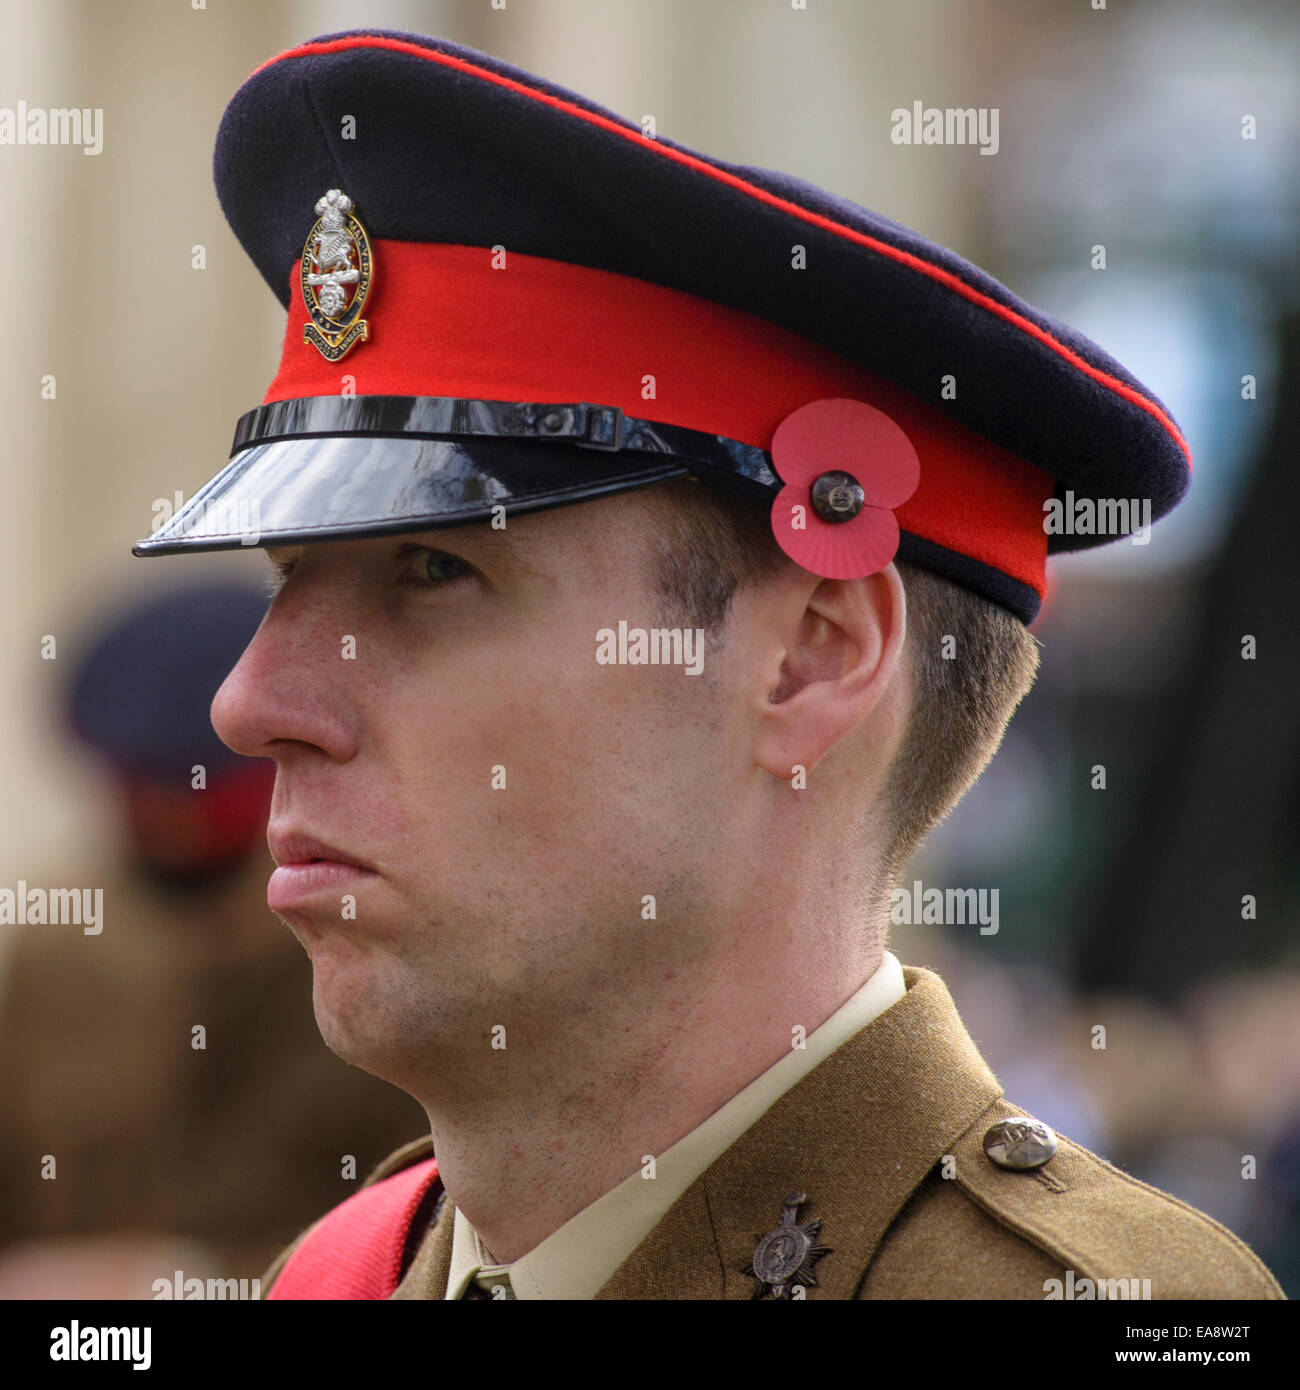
(435,709)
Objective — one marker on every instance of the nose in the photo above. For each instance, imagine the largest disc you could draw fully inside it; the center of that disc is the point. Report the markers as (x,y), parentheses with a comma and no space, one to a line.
(286,691)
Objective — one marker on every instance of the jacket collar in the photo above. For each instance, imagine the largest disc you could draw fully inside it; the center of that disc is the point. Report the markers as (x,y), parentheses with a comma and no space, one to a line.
(857,1135)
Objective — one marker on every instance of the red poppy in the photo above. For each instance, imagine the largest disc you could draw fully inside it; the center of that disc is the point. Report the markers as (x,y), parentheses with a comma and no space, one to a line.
(845,466)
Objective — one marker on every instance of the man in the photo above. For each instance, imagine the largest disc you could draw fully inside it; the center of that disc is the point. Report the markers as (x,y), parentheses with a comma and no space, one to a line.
(587,815)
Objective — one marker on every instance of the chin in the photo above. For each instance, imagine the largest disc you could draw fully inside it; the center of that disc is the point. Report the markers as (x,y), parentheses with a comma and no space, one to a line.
(362,1039)
(348,1004)
(360,1014)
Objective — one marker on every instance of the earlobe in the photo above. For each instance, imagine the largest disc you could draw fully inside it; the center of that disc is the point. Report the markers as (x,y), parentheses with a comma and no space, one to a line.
(841,654)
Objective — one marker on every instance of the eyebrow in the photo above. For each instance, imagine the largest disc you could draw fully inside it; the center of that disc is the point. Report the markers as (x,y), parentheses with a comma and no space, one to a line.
(495,543)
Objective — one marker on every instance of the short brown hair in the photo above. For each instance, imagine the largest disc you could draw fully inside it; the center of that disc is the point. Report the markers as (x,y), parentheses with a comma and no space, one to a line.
(711,545)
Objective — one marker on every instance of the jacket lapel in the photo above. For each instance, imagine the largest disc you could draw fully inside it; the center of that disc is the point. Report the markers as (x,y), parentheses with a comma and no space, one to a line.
(857,1135)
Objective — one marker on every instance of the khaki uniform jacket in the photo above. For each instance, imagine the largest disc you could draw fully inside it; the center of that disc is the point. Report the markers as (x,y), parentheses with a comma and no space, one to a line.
(868,1136)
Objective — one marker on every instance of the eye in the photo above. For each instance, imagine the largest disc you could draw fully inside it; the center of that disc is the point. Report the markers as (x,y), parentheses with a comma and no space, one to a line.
(439,565)
(424,566)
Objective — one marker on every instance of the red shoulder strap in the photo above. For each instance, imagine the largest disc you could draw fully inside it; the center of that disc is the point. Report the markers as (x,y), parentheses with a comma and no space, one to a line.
(355,1251)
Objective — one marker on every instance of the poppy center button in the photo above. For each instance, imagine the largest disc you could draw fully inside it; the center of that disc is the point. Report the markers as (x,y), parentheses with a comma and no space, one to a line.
(837,496)
(1020,1143)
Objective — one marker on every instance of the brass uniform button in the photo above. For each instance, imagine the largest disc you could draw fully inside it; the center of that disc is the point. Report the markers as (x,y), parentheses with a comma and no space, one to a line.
(1020,1144)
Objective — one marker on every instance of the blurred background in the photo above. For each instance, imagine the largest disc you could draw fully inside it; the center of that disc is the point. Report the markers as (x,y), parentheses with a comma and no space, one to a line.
(1164,909)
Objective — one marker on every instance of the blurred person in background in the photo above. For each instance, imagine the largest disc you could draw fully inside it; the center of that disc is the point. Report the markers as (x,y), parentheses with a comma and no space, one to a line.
(140,1131)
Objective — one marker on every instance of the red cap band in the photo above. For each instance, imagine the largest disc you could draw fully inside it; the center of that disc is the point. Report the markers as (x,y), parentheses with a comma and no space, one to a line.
(467,321)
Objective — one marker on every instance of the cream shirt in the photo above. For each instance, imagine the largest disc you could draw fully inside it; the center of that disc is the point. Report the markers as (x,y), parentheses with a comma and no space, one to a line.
(577,1260)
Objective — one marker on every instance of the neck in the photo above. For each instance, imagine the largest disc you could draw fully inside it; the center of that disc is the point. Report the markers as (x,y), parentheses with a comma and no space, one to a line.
(563,1116)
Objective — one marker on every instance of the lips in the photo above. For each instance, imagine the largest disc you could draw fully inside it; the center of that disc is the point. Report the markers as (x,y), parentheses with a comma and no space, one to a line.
(290,847)
(311,869)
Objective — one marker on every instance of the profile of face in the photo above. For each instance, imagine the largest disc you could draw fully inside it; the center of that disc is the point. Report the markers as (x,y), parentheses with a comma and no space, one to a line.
(437,713)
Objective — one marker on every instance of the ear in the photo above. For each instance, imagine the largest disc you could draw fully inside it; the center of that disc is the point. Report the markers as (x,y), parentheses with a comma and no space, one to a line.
(842,643)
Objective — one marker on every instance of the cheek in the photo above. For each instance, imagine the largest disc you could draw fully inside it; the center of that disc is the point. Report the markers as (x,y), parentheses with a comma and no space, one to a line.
(590,757)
